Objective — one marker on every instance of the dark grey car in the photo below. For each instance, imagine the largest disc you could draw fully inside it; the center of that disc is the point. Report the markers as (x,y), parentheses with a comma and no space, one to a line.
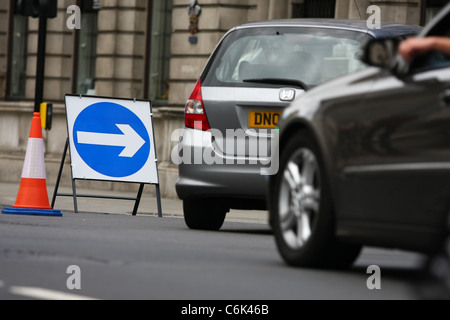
(257,69)
(365,160)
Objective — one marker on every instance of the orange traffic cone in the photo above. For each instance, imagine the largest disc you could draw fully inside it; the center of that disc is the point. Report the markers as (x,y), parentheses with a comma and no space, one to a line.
(32,198)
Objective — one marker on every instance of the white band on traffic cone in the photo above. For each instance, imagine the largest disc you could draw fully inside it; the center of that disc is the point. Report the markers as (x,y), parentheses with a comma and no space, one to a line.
(34,166)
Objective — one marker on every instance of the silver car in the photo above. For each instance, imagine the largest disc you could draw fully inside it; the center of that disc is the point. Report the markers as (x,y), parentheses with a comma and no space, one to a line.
(256,71)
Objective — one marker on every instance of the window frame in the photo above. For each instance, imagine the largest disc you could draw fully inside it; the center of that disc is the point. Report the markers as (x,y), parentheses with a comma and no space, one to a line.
(149,52)
(76,55)
(10,54)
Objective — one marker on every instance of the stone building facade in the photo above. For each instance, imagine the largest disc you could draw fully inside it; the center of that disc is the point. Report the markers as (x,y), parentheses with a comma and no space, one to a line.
(135,49)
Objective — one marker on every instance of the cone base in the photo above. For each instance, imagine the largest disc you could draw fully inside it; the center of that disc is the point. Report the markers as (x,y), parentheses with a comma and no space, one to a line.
(32,195)
(32,212)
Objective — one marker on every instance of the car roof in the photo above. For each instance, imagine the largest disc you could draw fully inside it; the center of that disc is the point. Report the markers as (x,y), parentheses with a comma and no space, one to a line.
(387,30)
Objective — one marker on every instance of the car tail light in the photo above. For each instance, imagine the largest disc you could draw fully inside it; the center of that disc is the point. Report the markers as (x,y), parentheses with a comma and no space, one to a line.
(195,116)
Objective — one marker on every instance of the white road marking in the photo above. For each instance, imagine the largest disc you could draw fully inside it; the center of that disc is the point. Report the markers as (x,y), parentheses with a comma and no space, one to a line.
(45,294)
(2,284)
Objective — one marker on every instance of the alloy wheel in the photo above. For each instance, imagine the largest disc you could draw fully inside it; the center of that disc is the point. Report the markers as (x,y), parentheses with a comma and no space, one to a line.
(299,198)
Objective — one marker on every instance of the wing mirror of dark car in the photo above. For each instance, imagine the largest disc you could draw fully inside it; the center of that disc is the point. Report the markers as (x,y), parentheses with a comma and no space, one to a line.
(382,53)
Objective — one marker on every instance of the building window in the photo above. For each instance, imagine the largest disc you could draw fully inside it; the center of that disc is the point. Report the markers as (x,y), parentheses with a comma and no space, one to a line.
(86,48)
(159,50)
(314,9)
(18,57)
(430,9)
(298,10)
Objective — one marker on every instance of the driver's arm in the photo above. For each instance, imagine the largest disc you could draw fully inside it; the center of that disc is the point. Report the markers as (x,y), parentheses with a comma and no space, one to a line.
(413,47)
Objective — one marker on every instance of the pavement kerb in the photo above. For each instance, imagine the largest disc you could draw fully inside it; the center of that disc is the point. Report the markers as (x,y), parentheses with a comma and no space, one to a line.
(172,208)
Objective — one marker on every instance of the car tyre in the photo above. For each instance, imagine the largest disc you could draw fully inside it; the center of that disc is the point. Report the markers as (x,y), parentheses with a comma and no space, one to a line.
(435,284)
(204,214)
(302,212)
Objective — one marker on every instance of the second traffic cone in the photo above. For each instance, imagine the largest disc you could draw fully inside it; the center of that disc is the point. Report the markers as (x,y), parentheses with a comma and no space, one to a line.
(32,198)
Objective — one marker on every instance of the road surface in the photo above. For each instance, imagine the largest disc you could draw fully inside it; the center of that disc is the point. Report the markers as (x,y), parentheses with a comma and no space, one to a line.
(145,257)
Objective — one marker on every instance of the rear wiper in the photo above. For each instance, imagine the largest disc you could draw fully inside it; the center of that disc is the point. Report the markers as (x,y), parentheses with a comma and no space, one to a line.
(290,82)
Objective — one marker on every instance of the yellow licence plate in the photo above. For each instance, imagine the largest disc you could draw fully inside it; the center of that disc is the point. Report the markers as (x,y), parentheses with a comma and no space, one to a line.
(263,119)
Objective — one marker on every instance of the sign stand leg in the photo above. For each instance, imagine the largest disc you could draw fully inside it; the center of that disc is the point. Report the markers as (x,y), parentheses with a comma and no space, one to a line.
(138,199)
(158,199)
(74,194)
(58,180)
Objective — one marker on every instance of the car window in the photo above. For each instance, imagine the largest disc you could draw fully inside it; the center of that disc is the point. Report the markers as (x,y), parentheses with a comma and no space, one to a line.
(312,56)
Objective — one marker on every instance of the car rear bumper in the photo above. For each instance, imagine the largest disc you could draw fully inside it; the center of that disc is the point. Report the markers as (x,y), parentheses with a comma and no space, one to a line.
(220,180)
(206,173)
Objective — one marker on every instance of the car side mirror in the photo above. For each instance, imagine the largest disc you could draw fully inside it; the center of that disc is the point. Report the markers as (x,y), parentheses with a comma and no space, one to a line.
(382,53)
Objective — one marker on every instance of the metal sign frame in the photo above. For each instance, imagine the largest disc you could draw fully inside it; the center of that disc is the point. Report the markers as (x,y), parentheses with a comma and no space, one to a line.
(80,170)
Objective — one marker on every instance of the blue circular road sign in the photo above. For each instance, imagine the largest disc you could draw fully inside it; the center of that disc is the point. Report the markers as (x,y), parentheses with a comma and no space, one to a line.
(111,140)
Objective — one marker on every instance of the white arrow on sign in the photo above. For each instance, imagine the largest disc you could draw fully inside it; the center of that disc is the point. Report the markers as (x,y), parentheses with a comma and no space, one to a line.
(130,139)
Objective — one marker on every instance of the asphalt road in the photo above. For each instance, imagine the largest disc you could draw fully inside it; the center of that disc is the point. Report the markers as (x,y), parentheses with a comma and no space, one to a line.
(143,257)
